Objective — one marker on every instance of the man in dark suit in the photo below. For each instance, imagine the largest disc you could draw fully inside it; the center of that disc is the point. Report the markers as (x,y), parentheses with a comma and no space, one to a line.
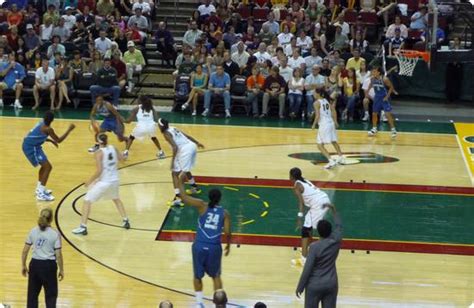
(319,276)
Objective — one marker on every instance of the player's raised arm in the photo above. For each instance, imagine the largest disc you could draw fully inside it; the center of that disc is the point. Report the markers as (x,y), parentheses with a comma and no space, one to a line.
(227,232)
(200,204)
(50,131)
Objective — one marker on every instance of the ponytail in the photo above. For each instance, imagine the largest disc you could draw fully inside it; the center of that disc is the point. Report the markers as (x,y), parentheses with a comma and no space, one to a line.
(45,218)
(295,173)
(102,139)
(214,198)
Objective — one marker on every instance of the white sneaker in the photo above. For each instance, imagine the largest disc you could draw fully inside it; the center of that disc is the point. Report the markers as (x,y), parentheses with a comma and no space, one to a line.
(125,154)
(330,164)
(366,117)
(341,160)
(205,112)
(394,133)
(194,113)
(384,118)
(161,155)
(372,132)
(46,191)
(17,104)
(227,113)
(81,230)
(41,196)
(184,106)
(93,149)
(176,202)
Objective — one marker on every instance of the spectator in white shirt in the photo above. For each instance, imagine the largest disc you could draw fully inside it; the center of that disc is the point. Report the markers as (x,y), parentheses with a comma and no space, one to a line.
(284,38)
(61,30)
(102,43)
(297,61)
(305,43)
(290,47)
(241,57)
(295,92)
(44,81)
(312,60)
(285,70)
(206,9)
(146,9)
(69,18)
(262,55)
(313,81)
(46,30)
(192,34)
(396,25)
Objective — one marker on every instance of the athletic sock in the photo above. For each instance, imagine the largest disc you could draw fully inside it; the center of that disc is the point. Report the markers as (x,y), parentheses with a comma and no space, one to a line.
(199,297)
(192,181)
(38,186)
(41,188)
(83,226)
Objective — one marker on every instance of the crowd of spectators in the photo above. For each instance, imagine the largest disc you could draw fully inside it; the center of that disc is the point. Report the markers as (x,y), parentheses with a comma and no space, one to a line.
(291,49)
(52,44)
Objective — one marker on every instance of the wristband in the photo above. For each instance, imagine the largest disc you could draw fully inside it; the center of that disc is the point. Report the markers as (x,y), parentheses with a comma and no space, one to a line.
(300,214)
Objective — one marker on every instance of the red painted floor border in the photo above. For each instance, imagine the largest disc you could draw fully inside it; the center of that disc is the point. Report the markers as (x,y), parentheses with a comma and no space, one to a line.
(346,244)
(341,185)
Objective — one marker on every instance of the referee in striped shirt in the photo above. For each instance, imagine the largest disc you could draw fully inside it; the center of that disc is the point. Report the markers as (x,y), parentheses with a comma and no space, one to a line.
(45,260)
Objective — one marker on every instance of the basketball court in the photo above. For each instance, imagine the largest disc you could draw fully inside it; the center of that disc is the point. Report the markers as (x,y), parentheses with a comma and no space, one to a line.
(406,204)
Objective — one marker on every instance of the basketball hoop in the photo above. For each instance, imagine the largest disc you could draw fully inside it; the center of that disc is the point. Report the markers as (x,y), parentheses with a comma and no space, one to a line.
(407,59)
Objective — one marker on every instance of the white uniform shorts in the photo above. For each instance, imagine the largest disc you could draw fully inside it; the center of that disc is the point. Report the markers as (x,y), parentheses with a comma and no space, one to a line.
(316,213)
(102,190)
(185,158)
(326,134)
(143,130)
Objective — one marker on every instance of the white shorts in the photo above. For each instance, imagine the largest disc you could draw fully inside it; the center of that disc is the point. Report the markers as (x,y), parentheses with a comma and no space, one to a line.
(326,134)
(103,190)
(143,130)
(185,158)
(315,214)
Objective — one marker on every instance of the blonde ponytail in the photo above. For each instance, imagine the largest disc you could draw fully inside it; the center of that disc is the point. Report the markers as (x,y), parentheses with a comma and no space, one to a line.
(45,218)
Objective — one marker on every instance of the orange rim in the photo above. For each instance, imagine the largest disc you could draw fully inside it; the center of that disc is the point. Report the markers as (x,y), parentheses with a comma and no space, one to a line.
(415,54)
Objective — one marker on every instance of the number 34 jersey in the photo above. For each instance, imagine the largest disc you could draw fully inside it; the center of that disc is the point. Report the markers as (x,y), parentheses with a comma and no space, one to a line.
(210,225)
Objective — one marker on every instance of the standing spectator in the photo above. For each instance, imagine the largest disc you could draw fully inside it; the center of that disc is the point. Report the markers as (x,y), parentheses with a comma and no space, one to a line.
(312,60)
(64,76)
(241,57)
(355,61)
(273,26)
(319,277)
(230,67)
(120,67)
(62,31)
(419,19)
(105,8)
(255,84)
(198,84)
(55,47)
(397,25)
(274,88)
(134,61)
(32,40)
(45,80)
(12,73)
(219,85)
(102,43)
(69,18)
(262,55)
(206,9)
(45,260)
(14,17)
(314,81)
(285,70)
(165,44)
(191,35)
(107,83)
(295,93)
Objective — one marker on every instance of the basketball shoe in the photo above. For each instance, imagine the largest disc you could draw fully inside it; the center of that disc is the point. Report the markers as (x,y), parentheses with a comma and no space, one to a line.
(161,155)
(81,230)
(330,164)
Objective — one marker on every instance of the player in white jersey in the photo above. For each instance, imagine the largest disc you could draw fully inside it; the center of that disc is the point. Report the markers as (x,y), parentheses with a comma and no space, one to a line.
(184,157)
(146,117)
(104,184)
(315,200)
(326,118)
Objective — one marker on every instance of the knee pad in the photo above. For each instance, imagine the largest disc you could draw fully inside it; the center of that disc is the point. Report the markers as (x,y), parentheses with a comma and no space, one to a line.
(306,232)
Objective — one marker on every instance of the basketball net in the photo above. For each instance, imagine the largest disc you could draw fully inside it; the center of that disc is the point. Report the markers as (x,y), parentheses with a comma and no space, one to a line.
(407,63)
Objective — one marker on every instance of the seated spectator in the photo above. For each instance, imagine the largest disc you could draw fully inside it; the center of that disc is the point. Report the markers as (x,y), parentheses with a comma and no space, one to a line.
(135,62)
(219,85)
(13,74)
(52,14)
(358,26)
(69,18)
(206,9)
(113,48)
(198,85)
(32,40)
(273,26)
(315,10)
(96,64)
(313,82)
(45,81)
(304,43)
(265,35)
(355,61)
(440,36)
(345,28)
(332,84)
(285,70)
(12,38)
(215,20)
(62,31)
(359,43)
(77,64)
(86,6)
(297,61)
(56,60)
(107,83)
(271,49)
(14,17)
(297,14)
(341,40)
(290,47)
(192,34)
(279,54)
(351,87)
(121,40)
(87,15)
(288,23)
(396,25)
(64,76)
(241,56)
(396,43)
(125,8)
(34,62)
(209,67)
(312,60)
(325,68)
(165,44)
(419,19)
(102,43)
(262,55)
(230,67)
(55,47)
(285,36)
(105,7)
(166,304)
(230,38)
(295,93)
(255,90)
(120,67)
(249,37)
(274,88)
(134,34)
(139,21)
(220,299)
(31,16)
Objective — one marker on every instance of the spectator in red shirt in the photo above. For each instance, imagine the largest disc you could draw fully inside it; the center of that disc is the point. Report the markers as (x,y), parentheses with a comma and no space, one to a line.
(82,3)
(120,67)
(133,34)
(12,38)
(255,84)
(14,17)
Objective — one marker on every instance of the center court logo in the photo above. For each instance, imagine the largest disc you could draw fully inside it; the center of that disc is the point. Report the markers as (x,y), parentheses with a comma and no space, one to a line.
(351,158)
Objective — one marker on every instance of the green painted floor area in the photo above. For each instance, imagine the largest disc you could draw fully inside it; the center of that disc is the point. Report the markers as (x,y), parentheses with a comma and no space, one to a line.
(177,117)
(366,215)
